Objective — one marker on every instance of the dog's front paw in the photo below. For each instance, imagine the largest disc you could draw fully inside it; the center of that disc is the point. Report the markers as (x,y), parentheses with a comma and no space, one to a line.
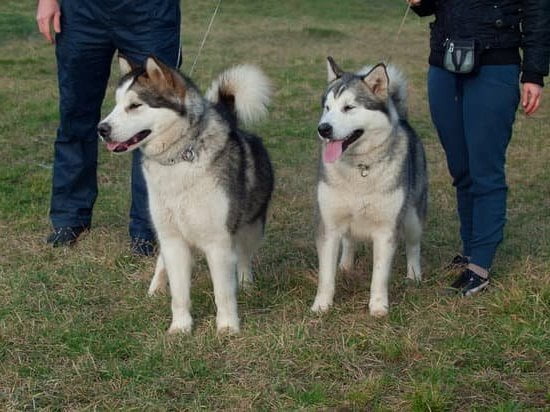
(183,325)
(228,326)
(379,313)
(378,307)
(321,304)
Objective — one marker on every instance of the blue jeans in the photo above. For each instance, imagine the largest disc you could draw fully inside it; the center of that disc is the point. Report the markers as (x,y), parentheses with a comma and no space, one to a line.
(92,31)
(473,115)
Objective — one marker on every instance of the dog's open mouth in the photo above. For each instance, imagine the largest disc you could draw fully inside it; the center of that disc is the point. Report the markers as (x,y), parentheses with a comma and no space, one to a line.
(334,148)
(119,147)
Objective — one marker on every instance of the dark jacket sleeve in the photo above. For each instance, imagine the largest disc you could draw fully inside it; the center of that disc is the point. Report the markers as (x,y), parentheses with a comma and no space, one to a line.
(535,40)
(425,8)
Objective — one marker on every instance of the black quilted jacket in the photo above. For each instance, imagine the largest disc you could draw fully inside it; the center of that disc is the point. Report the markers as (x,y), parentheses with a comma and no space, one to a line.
(501,27)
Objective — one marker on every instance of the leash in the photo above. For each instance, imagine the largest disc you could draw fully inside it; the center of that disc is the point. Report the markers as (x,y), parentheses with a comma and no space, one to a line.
(206,33)
(399,31)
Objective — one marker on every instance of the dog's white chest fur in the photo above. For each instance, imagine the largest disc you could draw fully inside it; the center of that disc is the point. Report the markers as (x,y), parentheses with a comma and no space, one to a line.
(186,198)
(357,204)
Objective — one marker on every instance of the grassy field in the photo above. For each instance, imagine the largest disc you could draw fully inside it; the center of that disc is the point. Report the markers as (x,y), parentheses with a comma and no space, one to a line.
(77,331)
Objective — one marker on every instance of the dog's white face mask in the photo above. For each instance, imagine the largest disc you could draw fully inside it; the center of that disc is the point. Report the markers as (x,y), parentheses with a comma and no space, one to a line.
(132,122)
(346,117)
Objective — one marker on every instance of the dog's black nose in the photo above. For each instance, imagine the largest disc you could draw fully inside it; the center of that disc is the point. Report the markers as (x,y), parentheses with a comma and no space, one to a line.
(104,130)
(325,130)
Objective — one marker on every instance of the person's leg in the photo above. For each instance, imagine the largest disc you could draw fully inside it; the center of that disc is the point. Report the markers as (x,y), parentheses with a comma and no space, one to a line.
(158,36)
(445,98)
(84,56)
(490,103)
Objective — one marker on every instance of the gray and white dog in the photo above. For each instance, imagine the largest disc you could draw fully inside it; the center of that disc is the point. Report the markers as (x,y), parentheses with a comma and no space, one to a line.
(209,181)
(372,180)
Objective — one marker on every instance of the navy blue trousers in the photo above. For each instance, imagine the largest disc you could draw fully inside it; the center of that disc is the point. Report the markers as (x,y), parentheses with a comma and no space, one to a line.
(473,115)
(91,32)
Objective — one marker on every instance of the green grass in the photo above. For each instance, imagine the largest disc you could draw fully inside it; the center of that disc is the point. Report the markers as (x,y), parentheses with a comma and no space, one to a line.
(77,331)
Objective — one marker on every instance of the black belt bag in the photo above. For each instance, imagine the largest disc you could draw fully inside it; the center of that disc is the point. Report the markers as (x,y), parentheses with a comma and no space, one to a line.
(461,56)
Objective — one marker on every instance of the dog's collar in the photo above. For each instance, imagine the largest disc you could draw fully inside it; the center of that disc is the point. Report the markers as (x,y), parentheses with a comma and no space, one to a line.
(186,155)
(363,169)
(184,152)
(180,153)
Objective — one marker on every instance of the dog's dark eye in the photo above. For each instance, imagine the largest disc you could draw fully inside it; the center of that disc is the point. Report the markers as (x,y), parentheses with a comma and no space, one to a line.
(348,107)
(327,108)
(134,106)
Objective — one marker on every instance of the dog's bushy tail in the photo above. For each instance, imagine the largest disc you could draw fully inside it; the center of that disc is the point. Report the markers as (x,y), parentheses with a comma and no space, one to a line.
(242,92)
(398,88)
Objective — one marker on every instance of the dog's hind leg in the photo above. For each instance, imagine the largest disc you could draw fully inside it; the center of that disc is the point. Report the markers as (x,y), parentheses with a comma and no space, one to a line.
(384,246)
(222,263)
(177,257)
(413,235)
(327,250)
(348,253)
(247,243)
(160,279)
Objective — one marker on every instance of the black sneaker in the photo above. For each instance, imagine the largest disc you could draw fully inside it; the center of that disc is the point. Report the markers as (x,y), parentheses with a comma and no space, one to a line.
(461,280)
(66,235)
(474,285)
(458,262)
(143,247)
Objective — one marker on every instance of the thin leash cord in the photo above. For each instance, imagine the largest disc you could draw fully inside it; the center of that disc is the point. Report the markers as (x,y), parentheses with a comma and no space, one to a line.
(205,37)
(399,31)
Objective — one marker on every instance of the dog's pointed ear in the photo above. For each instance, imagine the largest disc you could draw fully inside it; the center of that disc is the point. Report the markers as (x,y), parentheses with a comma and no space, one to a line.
(377,81)
(333,71)
(158,73)
(164,78)
(126,65)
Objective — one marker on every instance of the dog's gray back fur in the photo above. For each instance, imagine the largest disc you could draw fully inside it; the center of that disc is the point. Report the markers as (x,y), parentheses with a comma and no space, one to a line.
(244,169)
(414,172)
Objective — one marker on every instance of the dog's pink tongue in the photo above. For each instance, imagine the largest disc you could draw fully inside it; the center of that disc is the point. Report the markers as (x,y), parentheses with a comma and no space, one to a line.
(116,146)
(333,150)
(112,146)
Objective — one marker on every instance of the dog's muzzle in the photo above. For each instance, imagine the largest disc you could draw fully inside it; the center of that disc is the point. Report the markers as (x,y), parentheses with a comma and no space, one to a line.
(334,148)
(104,131)
(325,130)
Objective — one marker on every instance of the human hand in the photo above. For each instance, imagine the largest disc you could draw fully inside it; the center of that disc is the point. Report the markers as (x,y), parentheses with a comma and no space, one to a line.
(530,97)
(48,15)
(414,2)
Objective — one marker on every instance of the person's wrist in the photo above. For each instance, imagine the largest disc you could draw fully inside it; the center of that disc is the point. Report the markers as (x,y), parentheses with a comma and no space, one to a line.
(532,77)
